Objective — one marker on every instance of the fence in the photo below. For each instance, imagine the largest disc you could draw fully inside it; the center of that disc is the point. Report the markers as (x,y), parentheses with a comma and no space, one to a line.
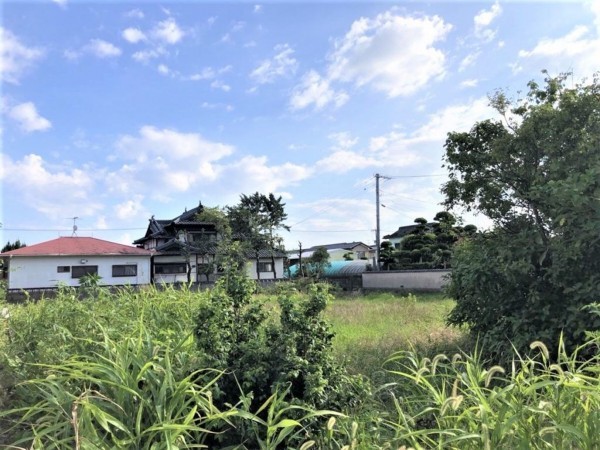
(406,280)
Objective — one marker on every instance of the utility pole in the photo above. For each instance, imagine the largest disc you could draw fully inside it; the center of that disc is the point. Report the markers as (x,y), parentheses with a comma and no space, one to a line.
(378,226)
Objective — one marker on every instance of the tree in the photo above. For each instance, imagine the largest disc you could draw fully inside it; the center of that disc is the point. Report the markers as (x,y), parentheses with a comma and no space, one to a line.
(316,265)
(256,220)
(537,176)
(213,244)
(428,246)
(13,246)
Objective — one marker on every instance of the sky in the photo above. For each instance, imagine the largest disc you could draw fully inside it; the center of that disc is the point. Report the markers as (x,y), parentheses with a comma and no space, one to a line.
(114,111)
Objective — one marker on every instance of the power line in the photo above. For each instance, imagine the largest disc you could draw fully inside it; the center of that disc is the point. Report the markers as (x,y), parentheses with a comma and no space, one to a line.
(69,229)
(418,176)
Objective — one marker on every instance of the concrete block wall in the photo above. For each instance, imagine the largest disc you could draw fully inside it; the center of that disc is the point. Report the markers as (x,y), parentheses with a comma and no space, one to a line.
(409,280)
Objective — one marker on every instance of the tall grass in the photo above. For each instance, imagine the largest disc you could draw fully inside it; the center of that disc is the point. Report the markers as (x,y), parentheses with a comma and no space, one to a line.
(123,372)
(370,328)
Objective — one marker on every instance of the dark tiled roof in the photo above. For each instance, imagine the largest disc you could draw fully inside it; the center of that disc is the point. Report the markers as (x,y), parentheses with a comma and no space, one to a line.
(342,245)
(77,246)
(406,229)
(165,228)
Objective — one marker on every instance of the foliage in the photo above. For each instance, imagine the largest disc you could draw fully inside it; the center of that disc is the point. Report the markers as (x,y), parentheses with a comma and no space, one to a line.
(458,402)
(128,375)
(318,262)
(536,176)
(292,356)
(51,330)
(428,246)
(132,393)
(13,246)
(255,221)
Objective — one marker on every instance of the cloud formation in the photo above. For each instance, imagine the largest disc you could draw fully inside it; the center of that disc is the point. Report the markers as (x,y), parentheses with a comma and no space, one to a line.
(316,91)
(15,57)
(28,118)
(391,53)
(55,191)
(484,19)
(581,47)
(282,64)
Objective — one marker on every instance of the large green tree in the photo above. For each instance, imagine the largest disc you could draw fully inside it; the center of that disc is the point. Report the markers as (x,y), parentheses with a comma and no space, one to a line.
(255,220)
(536,174)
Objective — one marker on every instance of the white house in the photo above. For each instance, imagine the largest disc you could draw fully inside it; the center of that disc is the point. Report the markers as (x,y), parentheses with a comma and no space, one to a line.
(343,251)
(66,259)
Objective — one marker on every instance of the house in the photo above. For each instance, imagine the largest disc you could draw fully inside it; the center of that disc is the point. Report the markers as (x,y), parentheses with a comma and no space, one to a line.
(64,260)
(344,251)
(396,237)
(184,250)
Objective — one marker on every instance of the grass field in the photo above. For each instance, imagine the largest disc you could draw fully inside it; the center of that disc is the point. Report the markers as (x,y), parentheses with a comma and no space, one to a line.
(370,328)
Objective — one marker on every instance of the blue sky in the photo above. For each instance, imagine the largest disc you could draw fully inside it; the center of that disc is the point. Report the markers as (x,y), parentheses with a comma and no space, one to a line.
(114,111)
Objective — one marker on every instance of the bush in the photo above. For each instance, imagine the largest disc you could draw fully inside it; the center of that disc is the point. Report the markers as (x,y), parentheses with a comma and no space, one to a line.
(262,354)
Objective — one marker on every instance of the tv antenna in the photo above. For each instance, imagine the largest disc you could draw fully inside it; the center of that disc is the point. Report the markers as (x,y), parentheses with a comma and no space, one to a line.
(74,219)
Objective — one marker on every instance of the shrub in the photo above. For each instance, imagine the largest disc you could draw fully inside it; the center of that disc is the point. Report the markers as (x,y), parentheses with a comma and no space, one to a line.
(262,354)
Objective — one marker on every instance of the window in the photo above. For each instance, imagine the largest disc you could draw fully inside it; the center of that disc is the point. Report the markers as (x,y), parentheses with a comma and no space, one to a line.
(79,271)
(167,268)
(63,269)
(124,270)
(265,267)
(203,237)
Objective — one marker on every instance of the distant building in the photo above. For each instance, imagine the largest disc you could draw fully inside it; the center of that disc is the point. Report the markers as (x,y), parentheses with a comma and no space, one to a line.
(344,251)
(64,260)
(396,237)
(184,248)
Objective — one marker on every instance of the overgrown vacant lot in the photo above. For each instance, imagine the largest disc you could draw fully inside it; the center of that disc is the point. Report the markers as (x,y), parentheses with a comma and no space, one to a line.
(126,370)
(370,328)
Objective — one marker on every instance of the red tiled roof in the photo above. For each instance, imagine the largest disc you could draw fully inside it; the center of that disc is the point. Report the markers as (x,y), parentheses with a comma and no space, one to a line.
(79,246)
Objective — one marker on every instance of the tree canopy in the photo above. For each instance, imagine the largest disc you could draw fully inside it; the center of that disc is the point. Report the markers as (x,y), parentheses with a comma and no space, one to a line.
(536,174)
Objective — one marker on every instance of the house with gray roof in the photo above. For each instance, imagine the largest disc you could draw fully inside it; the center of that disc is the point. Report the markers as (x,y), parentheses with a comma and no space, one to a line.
(184,250)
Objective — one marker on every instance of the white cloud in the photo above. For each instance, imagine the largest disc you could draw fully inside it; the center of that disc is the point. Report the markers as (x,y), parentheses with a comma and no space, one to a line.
(282,64)
(396,149)
(135,14)
(343,140)
(253,173)
(257,8)
(61,3)
(29,119)
(343,161)
(163,69)
(484,19)
(470,83)
(393,54)
(15,57)
(179,160)
(168,31)
(226,107)
(144,56)
(55,191)
(133,35)
(71,54)
(317,91)
(218,84)
(468,60)
(577,51)
(102,49)
(131,209)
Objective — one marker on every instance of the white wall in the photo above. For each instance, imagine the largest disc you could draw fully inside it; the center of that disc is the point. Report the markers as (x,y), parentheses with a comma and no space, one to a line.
(423,280)
(31,272)
(251,269)
(175,277)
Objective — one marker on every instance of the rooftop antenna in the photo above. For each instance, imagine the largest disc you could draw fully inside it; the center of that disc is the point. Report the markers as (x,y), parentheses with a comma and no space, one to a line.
(74,225)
